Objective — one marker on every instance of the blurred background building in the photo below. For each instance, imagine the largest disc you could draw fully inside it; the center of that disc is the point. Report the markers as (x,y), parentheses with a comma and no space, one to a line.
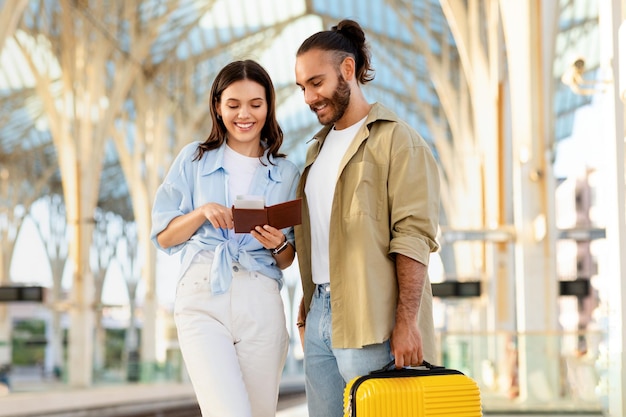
(520,100)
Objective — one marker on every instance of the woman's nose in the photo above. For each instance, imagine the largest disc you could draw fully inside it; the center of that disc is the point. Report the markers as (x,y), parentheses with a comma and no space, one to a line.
(244,112)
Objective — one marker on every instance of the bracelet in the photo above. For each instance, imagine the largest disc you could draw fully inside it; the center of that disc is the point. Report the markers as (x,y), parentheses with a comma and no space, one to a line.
(300,324)
(280,247)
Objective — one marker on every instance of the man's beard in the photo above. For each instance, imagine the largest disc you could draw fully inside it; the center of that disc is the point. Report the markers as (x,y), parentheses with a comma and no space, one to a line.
(338,102)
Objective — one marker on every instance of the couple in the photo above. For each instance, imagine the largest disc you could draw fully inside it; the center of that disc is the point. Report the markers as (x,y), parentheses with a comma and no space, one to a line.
(370,189)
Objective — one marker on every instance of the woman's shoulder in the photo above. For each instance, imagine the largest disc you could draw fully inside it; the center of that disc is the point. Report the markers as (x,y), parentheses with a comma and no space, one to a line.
(187,154)
(286,165)
(190,148)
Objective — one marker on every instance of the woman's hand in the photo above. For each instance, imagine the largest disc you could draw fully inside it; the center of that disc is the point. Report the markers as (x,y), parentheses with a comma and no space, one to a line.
(181,228)
(268,236)
(272,238)
(221,217)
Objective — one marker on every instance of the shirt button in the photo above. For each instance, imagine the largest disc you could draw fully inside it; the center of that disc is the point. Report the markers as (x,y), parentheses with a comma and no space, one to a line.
(236,268)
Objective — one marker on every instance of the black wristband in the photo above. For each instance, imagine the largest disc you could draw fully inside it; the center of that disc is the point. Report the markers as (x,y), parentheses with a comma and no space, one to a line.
(280,247)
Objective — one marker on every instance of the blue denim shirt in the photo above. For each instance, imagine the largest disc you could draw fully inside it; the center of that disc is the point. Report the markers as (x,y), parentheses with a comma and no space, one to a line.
(190,184)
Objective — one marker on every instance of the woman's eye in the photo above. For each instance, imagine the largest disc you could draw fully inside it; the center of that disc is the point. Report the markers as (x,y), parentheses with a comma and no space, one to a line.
(232,107)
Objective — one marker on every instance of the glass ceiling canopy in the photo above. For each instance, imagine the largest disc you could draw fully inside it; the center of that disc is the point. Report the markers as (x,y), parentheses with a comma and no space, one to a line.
(200,36)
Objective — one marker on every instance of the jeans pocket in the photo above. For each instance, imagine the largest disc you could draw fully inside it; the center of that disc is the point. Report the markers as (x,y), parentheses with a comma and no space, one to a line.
(196,279)
(264,282)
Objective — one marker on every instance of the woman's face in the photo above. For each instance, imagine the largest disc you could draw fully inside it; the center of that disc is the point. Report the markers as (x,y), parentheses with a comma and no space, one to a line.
(243,108)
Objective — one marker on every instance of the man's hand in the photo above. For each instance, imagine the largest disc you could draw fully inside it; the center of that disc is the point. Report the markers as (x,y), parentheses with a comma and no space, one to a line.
(301,322)
(406,339)
(301,332)
(406,345)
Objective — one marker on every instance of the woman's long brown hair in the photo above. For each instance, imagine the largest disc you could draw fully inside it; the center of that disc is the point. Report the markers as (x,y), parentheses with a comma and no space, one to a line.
(271,133)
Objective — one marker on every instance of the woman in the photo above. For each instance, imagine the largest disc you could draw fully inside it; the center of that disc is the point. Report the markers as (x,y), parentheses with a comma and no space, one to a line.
(228,309)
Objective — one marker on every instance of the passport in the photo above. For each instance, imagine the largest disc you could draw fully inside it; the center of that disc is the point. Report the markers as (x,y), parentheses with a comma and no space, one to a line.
(280,215)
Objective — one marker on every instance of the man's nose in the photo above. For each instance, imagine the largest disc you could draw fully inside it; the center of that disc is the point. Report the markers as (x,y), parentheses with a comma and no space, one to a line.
(310,96)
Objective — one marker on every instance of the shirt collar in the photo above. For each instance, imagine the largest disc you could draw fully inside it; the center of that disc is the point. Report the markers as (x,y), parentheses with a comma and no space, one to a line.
(377,112)
(210,165)
(272,169)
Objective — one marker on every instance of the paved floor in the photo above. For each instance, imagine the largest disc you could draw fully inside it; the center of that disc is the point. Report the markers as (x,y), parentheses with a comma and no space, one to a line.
(33,393)
(301,411)
(295,406)
(294,411)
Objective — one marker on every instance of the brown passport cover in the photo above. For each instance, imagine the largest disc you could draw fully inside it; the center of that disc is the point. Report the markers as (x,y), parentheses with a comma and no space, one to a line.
(279,216)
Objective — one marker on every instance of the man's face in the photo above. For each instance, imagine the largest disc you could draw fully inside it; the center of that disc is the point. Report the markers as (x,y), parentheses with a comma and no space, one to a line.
(325,90)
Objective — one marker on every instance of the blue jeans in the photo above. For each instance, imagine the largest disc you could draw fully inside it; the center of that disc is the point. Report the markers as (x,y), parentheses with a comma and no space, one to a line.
(327,370)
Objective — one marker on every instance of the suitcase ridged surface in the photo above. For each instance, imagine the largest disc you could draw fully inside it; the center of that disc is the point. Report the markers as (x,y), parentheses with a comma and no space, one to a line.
(424,396)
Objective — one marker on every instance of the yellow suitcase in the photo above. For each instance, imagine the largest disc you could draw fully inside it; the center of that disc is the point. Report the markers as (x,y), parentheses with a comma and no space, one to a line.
(425,391)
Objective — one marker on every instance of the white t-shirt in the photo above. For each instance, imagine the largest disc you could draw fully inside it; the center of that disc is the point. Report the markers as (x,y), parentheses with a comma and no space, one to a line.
(319,190)
(240,169)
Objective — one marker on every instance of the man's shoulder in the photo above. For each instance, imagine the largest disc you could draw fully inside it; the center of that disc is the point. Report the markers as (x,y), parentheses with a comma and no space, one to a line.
(386,124)
(388,119)
(380,112)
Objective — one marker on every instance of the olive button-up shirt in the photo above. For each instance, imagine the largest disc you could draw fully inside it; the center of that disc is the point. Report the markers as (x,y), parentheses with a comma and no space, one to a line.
(386,202)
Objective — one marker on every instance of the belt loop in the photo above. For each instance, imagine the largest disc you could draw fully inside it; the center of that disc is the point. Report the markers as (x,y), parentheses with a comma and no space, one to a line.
(323,288)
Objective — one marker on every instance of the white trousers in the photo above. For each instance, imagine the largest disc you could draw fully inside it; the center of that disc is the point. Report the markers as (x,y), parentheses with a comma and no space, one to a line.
(235,344)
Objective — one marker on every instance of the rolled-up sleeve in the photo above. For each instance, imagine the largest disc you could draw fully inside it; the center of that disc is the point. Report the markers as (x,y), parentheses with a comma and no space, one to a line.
(166,208)
(173,198)
(294,176)
(414,192)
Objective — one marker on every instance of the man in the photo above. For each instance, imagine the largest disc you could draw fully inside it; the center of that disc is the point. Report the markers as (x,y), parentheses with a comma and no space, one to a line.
(370,190)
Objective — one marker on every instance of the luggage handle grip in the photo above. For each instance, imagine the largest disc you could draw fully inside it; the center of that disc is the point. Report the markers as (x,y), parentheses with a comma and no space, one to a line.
(391,367)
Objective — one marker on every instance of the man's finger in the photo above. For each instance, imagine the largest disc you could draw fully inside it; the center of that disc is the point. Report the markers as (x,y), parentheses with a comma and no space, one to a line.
(399,362)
